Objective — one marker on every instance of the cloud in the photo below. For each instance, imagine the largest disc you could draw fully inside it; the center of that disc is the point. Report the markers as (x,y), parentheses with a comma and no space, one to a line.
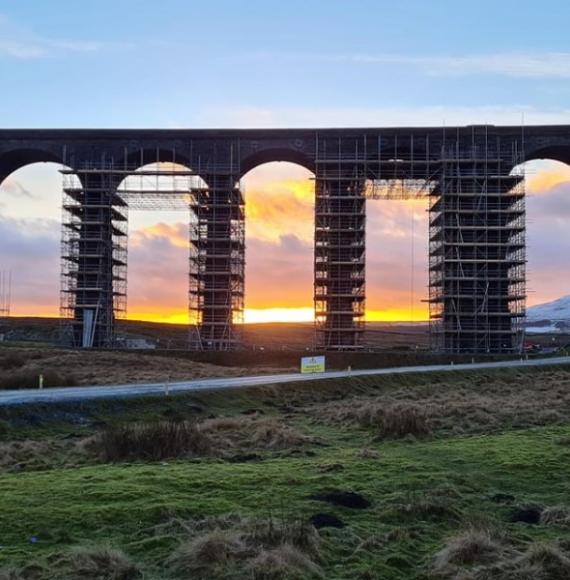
(31,251)
(21,43)
(16,189)
(161,233)
(276,206)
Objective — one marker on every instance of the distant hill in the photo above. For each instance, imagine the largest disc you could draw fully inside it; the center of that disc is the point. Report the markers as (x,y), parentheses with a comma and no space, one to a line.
(550,317)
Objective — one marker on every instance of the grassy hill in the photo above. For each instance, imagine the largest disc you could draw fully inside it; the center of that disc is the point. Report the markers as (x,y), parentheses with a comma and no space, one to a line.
(429,476)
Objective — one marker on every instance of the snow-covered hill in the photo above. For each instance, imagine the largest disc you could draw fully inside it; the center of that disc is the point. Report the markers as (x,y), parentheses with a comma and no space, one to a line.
(550,317)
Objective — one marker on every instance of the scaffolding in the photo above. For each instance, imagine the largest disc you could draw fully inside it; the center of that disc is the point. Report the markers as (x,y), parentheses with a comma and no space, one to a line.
(217,258)
(94,255)
(476,236)
(5,293)
(477,278)
(340,245)
(94,246)
(477,248)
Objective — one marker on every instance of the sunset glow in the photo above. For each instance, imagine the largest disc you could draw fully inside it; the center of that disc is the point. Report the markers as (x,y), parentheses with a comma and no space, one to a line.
(279,256)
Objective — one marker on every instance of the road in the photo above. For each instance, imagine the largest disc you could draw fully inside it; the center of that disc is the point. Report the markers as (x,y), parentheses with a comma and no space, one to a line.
(69,394)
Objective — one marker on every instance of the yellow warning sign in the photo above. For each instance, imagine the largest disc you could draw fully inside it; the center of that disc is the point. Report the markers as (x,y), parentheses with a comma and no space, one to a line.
(313,364)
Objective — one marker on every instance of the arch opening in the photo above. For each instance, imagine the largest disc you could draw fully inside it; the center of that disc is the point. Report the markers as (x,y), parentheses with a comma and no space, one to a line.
(397,243)
(548,248)
(276,155)
(279,208)
(31,230)
(12,161)
(160,207)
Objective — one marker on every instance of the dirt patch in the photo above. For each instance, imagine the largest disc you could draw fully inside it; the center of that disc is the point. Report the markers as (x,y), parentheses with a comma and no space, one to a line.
(326,521)
(526,515)
(347,499)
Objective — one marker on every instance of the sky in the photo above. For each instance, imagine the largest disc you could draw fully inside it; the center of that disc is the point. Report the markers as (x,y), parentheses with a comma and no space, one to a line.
(318,63)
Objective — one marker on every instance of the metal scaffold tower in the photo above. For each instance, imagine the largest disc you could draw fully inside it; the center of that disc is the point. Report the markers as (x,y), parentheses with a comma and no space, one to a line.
(477,248)
(340,244)
(217,257)
(5,293)
(94,245)
(94,255)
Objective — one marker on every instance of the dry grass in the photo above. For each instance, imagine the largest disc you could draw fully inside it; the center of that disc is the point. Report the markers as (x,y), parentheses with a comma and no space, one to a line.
(153,441)
(29,378)
(30,572)
(253,434)
(402,421)
(389,421)
(555,516)
(284,562)
(482,405)
(540,561)
(209,554)
(266,549)
(98,368)
(101,563)
(473,546)
(489,554)
(41,454)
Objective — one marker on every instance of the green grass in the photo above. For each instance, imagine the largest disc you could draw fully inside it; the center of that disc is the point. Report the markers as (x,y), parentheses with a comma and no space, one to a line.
(119,504)
(421,491)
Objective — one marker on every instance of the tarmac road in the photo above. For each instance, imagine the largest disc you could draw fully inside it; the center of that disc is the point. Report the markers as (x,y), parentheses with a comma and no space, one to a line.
(67,394)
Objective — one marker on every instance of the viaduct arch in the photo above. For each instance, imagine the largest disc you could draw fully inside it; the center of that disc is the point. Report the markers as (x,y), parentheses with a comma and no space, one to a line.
(477,219)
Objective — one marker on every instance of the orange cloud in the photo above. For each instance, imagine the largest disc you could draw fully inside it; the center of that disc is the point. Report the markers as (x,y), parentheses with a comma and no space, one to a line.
(177,234)
(544,175)
(280,208)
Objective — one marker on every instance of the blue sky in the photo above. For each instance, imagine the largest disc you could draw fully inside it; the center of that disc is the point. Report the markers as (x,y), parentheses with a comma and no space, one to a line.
(321,62)
(238,63)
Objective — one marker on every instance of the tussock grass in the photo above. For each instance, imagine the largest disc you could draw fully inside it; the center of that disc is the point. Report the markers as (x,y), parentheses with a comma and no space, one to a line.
(253,434)
(402,421)
(472,546)
(555,516)
(491,554)
(153,441)
(477,404)
(30,572)
(41,454)
(100,563)
(540,560)
(284,562)
(264,548)
(389,421)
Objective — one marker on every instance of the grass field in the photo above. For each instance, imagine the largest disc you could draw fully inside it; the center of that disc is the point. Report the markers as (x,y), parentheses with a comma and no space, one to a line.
(441,465)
